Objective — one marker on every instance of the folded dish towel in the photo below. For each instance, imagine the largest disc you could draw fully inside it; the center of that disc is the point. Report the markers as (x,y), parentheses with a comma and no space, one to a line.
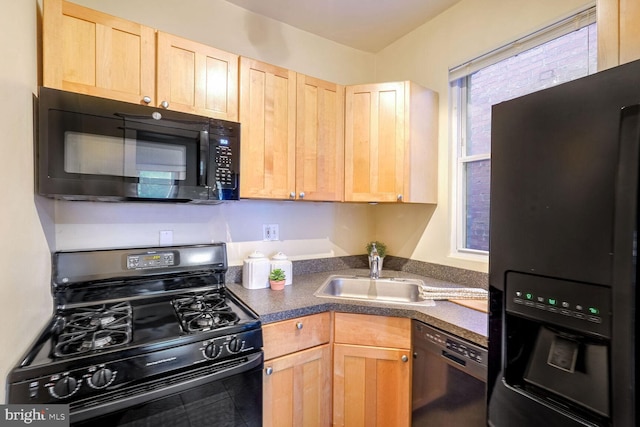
(437,293)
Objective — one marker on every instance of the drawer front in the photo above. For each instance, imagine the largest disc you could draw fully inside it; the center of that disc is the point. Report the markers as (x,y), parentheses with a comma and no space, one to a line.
(296,334)
(378,331)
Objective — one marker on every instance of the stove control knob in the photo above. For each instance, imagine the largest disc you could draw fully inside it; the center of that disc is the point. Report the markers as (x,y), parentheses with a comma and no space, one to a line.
(235,345)
(211,351)
(102,378)
(64,387)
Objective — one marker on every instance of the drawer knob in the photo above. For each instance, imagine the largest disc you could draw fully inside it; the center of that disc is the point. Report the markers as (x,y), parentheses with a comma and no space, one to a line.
(164,104)
(404,358)
(146,99)
(299,325)
(269,370)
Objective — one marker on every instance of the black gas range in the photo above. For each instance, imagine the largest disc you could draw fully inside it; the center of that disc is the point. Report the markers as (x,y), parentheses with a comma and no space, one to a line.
(135,326)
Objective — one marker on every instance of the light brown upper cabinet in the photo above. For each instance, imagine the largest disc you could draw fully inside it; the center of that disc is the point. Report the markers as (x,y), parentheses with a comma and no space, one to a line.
(90,52)
(618,32)
(94,53)
(268,120)
(292,134)
(319,140)
(391,143)
(196,78)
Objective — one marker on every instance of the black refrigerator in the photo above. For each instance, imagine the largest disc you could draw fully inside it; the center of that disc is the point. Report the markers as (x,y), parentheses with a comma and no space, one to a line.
(563,254)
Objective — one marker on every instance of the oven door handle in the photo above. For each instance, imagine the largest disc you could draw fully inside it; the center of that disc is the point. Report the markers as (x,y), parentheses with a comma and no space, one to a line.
(124,398)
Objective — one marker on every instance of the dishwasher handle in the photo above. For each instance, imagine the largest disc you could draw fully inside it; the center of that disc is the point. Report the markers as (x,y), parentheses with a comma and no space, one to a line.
(454,358)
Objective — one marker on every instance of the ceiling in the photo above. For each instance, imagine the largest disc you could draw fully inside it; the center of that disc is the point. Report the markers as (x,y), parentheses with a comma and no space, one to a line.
(368,25)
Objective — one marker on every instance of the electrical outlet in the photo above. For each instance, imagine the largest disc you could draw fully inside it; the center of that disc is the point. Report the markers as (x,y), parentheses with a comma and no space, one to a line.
(270,232)
(166,237)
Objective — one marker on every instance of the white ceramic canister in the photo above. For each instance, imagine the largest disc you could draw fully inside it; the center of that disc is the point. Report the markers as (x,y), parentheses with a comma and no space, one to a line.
(280,260)
(255,271)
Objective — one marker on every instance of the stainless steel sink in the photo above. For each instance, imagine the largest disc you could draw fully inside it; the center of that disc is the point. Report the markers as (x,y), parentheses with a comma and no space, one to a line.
(388,290)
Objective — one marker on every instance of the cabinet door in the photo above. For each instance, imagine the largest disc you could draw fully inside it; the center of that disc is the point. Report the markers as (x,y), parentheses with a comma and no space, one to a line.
(320,140)
(195,78)
(618,32)
(90,52)
(374,142)
(371,386)
(268,119)
(297,389)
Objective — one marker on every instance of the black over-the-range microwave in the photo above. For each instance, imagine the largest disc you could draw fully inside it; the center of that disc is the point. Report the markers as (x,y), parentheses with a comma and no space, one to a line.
(91,148)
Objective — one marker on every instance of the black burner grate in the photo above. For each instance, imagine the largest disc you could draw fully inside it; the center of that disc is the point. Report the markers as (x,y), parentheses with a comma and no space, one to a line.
(94,328)
(204,312)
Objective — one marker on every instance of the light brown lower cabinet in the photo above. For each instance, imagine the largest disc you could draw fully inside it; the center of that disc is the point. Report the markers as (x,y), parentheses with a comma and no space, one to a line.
(297,389)
(371,386)
(358,375)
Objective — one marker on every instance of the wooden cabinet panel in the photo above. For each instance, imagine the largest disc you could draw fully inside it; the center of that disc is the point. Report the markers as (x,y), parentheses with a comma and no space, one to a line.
(90,52)
(391,143)
(297,334)
(319,140)
(268,117)
(370,330)
(297,389)
(374,148)
(371,386)
(195,78)
(618,32)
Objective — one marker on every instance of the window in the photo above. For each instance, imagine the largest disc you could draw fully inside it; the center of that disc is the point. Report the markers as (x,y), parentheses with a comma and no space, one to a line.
(554,55)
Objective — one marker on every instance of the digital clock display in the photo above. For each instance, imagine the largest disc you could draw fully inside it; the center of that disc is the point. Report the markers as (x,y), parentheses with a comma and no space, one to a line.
(151,260)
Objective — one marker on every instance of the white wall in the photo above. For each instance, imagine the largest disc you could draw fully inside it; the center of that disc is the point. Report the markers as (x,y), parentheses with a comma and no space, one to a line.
(25,301)
(465,31)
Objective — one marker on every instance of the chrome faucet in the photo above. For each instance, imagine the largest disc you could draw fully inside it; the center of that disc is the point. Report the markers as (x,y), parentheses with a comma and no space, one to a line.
(374,259)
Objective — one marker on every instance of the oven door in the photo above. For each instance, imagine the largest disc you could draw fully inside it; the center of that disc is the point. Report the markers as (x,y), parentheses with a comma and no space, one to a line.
(227,396)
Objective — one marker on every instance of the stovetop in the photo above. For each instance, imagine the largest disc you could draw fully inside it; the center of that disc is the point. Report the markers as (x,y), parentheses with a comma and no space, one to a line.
(79,335)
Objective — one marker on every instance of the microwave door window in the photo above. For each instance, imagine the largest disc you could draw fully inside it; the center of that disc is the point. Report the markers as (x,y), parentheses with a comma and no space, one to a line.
(158,168)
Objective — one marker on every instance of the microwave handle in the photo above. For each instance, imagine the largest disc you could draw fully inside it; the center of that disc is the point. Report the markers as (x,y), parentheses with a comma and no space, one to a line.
(203,161)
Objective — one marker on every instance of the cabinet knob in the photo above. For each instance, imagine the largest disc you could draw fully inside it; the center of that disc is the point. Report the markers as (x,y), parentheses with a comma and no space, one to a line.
(292,195)
(302,195)
(404,358)
(164,104)
(399,197)
(269,370)
(146,99)
(299,325)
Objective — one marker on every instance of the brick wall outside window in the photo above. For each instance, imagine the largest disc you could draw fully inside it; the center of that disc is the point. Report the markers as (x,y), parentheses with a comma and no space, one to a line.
(566,58)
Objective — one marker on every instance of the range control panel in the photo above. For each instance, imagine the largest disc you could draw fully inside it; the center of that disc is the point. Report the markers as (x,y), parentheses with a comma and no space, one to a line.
(578,306)
(152,260)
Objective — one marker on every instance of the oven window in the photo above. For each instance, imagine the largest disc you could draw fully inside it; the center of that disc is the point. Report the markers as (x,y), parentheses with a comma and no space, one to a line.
(232,402)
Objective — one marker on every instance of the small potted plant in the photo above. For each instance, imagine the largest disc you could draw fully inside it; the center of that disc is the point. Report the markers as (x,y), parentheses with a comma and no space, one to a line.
(382,251)
(277,279)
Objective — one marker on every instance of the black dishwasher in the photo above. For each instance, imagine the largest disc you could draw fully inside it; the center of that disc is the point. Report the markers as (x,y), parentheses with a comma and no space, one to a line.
(449,379)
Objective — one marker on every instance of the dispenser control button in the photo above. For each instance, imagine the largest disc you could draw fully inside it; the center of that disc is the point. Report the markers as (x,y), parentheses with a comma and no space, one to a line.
(594,319)
(518,301)
(578,315)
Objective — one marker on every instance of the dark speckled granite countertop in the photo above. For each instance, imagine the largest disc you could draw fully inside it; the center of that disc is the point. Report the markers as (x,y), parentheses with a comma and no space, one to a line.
(298,300)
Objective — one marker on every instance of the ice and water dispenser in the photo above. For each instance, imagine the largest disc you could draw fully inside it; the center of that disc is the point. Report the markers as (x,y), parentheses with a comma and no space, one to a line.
(558,342)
